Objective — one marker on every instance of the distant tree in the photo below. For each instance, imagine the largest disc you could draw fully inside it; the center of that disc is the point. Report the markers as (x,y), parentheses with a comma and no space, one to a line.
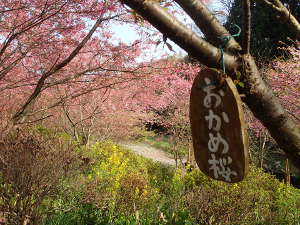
(57,46)
(269,32)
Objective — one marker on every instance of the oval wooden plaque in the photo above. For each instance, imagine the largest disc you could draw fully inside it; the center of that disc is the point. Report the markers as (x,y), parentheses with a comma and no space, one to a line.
(219,133)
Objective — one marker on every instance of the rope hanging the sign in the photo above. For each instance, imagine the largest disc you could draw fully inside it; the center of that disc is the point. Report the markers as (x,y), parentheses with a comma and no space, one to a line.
(225,41)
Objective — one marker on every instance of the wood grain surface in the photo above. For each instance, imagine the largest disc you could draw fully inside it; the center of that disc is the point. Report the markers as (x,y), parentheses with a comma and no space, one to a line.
(219,132)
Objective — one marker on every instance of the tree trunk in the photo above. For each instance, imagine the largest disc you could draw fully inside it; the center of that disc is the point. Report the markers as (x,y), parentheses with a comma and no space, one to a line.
(259,97)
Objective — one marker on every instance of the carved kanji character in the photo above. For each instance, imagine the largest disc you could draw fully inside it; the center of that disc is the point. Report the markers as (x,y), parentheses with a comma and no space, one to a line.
(221,167)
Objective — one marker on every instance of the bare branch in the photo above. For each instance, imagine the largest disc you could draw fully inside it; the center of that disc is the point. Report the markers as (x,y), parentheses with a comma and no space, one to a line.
(6,69)
(272,5)
(184,37)
(68,115)
(285,15)
(12,9)
(247,26)
(30,101)
(36,120)
(208,23)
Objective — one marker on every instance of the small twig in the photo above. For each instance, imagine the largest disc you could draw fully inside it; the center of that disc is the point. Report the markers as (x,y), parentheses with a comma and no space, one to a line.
(247,26)
(272,5)
(34,121)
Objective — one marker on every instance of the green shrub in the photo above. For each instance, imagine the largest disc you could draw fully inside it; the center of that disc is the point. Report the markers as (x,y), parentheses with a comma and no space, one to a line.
(259,199)
(118,180)
(86,214)
(119,187)
(122,188)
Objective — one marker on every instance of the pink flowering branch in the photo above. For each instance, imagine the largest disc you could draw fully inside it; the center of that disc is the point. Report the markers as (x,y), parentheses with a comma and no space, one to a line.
(258,96)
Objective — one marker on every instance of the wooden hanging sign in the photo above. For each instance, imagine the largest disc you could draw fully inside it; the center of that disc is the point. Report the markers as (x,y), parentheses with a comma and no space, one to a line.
(219,133)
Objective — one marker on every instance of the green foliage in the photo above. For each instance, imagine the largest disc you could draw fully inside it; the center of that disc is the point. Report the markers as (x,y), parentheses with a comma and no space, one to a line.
(119,187)
(259,199)
(86,214)
(118,177)
(166,144)
(160,142)
(43,130)
(52,133)
(142,134)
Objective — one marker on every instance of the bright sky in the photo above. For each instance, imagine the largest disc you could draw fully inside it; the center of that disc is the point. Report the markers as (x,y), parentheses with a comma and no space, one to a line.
(127,34)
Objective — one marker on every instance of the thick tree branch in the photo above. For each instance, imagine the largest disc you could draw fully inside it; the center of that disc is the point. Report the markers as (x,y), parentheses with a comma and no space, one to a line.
(177,32)
(208,23)
(266,107)
(259,97)
(285,15)
(247,27)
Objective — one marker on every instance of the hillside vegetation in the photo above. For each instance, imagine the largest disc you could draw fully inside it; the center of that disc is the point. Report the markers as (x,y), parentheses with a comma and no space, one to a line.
(107,184)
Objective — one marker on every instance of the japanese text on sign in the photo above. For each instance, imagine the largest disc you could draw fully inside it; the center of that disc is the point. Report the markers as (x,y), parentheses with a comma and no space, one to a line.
(216,143)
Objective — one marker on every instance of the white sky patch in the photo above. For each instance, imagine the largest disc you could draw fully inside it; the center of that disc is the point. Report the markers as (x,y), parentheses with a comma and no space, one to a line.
(127,33)
(2,38)
(124,33)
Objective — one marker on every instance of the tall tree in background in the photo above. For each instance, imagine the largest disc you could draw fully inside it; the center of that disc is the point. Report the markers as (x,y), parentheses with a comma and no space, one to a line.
(269,32)
(258,95)
(52,51)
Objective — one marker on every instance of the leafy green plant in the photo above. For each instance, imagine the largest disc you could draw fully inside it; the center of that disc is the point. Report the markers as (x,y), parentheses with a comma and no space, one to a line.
(259,199)
(119,187)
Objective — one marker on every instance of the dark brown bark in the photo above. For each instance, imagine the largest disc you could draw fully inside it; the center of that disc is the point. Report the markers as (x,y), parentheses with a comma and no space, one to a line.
(266,107)
(177,32)
(247,27)
(259,97)
(210,26)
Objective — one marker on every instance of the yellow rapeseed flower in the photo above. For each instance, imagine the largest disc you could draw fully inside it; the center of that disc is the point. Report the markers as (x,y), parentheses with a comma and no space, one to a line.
(137,190)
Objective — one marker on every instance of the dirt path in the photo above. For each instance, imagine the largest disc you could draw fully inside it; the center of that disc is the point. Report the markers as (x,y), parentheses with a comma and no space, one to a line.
(150,152)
